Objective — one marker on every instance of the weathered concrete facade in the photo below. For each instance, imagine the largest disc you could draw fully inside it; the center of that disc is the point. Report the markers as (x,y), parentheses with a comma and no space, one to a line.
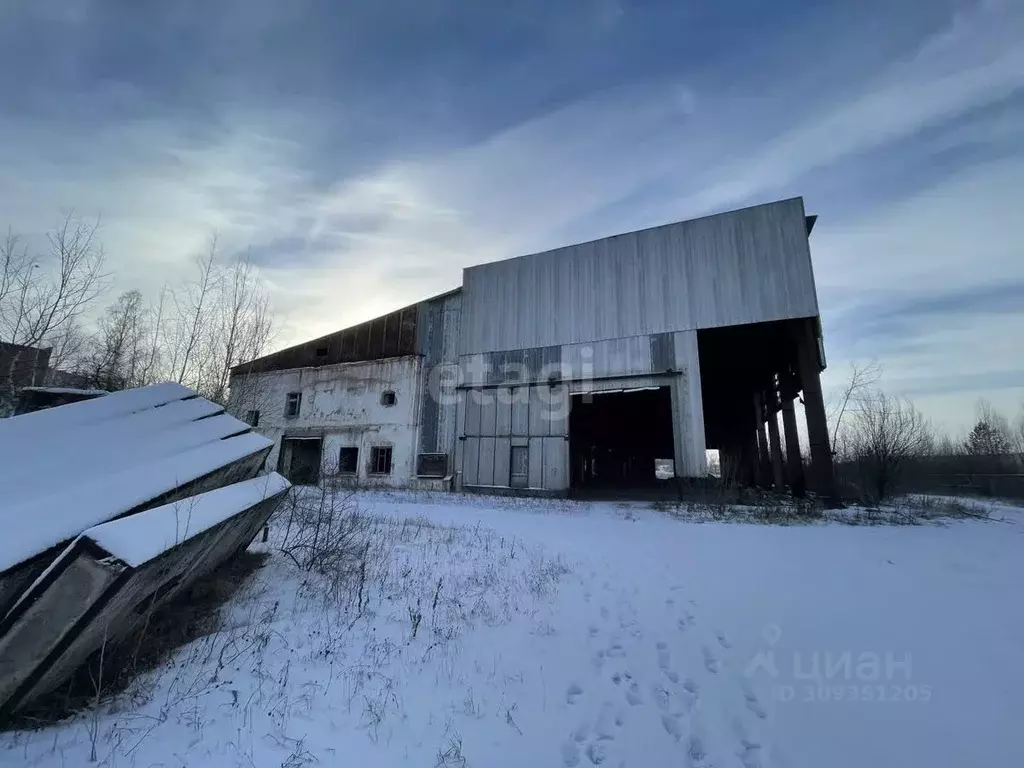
(714,316)
(343,406)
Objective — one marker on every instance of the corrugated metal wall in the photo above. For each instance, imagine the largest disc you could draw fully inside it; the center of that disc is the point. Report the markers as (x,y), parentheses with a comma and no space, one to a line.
(492,418)
(438,341)
(495,419)
(745,266)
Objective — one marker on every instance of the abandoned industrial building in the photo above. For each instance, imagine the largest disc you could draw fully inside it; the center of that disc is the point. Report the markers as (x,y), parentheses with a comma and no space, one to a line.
(610,364)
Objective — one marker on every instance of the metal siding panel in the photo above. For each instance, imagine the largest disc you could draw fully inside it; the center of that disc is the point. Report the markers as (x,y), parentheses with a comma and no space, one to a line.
(502,456)
(537,462)
(473,398)
(488,412)
(558,410)
(471,461)
(538,411)
(503,411)
(555,458)
(611,357)
(521,411)
(663,356)
(485,468)
(459,445)
(744,266)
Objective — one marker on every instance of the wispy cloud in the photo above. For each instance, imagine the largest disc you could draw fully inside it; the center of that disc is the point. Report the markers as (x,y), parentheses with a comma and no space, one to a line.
(364,165)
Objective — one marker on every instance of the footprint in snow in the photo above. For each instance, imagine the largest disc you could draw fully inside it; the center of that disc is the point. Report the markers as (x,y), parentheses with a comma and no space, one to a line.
(672,675)
(754,705)
(711,661)
(749,752)
(572,693)
(633,695)
(594,630)
(690,686)
(664,658)
(604,612)
(616,651)
(672,726)
(695,753)
(723,640)
(661,698)
(581,732)
(570,754)
(605,725)
(597,752)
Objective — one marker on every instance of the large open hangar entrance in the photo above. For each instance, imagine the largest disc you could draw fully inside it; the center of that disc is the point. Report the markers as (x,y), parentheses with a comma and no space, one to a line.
(750,374)
(620,439)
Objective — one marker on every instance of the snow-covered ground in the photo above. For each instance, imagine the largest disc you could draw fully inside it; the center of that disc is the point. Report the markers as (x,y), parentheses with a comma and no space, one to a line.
(494,632)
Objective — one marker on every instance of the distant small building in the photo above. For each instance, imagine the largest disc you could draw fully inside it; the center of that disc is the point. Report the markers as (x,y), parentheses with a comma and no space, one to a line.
(20,366)
(609,364)
(39,398)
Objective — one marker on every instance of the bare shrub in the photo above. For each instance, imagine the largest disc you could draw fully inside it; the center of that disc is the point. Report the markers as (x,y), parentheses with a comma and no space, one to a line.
(885,434)
(328,535)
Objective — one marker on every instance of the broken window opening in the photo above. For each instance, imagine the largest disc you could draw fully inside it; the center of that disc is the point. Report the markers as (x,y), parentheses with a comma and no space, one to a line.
(348,460)
(292,404)
(388,398)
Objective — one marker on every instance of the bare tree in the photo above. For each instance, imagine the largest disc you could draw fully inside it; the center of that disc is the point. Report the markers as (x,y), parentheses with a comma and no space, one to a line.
(39,296)
(193,305)
(885,433)
(220,319)
(152,364)
(43,296)
(70,349)
(244,323)
(863,376)
(119,349)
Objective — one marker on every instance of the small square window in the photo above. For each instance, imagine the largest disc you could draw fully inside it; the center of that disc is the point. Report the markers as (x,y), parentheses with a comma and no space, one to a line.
(388,398)
(252,418)
(348,461)
(380,460)
(292,404)
(321,351)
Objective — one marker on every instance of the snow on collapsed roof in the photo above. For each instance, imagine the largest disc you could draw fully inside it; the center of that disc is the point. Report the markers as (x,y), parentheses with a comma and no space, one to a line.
(137,539)
(120,440)
(100,459)
(70,415)
(38,523)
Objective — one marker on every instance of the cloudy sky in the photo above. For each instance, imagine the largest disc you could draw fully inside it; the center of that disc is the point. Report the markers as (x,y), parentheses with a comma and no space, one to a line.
(366,151)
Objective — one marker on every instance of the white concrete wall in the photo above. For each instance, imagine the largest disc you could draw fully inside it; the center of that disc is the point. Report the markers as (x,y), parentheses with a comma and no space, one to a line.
(342,403)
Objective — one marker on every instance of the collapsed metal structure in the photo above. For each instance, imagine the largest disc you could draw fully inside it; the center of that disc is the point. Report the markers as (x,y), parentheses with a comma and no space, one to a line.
(111,507)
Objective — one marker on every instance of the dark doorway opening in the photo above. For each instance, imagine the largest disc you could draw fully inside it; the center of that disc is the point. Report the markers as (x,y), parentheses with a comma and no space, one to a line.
(620,440)
(300,459)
